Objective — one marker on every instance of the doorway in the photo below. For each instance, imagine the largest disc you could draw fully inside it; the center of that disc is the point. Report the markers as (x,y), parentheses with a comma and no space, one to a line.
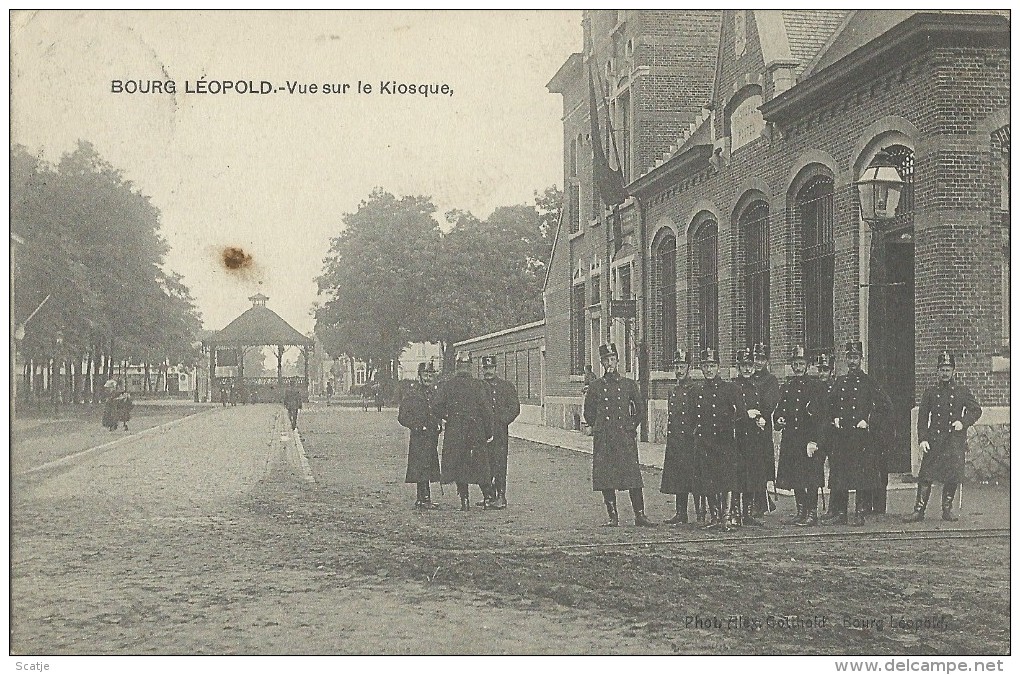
(891,334)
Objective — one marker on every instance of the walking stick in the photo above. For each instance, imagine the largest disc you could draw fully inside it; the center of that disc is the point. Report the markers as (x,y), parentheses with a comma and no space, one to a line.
(959,494)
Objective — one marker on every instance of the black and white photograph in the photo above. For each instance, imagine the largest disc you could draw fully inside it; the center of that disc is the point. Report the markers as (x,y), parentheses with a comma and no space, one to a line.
(659,332)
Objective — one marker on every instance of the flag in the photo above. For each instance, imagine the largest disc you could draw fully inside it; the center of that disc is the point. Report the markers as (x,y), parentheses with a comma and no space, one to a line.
(609,181)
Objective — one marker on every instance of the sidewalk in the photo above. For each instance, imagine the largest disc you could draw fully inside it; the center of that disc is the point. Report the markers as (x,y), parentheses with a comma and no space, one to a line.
(649,454)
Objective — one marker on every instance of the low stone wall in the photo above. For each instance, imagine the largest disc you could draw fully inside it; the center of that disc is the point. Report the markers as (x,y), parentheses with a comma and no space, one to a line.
(564,412)
(531,414)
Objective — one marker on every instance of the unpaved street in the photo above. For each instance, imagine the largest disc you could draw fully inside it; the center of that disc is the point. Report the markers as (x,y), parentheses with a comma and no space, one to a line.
(208,538)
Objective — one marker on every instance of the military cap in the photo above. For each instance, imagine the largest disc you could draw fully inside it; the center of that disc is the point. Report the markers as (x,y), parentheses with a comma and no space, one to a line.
(110,384)
(709,355)
(743,355)
(682,356)
(488,361)
(798,353)
(854,348)
(946,358)
(608,350)
(759,351)
(823,361)
(464,357)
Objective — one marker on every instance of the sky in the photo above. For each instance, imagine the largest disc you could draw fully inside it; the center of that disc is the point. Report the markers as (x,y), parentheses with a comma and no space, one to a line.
(274,174)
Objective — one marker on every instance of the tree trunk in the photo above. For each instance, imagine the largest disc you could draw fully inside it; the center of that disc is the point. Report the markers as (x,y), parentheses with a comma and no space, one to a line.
(87,388)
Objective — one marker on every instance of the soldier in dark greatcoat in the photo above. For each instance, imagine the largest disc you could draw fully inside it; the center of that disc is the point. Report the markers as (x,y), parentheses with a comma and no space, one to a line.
(946,411)
(615,408)
(801,463)
(416,414)
(711,410)
(855,462)
(767,386)
(463,402)
(678,463)
(506,406)
(754,445)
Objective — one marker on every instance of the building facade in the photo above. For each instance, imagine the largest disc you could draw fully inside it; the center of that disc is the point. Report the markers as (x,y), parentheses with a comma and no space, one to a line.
(748,227)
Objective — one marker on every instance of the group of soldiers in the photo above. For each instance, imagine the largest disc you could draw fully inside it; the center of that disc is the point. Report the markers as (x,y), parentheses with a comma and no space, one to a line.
(474,417)
(719,438)
(719,447)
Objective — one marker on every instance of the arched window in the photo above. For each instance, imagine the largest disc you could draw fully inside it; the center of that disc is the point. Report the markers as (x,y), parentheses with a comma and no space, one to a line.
(705,274)
(815,213)
(904,158)
(663,319)
(754,279)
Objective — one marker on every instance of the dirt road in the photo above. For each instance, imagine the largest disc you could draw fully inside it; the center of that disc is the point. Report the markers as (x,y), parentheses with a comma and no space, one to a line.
(209,538)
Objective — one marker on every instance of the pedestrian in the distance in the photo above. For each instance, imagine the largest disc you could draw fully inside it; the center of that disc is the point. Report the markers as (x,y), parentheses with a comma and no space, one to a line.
(614,408)
(329,393)
(292,402)
(111,415)
(377,394)
(946,411)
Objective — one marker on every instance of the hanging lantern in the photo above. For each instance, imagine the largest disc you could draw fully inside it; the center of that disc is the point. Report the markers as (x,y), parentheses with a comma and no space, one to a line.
(879,188)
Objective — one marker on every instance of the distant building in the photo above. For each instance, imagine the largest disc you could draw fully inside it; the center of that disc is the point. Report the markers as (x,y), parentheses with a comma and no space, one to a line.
(415,353)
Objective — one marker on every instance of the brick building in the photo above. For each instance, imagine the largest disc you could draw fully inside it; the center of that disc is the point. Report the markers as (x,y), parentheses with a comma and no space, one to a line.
(746,225)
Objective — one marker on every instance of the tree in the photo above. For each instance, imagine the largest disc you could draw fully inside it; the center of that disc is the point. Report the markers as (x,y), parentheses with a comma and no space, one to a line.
(393,276)
(92,245)
(375,276)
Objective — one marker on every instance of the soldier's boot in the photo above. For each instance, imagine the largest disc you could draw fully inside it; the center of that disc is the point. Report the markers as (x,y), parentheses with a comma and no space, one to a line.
(712,502)
(500,501)
(839,502)
(641,520)
(749,508)
(484,501)
(637,502)
(681,511)
(465,498)
(920,503)
(810,502)
(948,493)
(614,515)
(700,508)
(799,498)
(810,518)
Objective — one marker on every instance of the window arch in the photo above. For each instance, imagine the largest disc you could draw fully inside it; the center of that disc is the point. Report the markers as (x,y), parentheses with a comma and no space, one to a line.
(704,256)
(753,225)
(815,216)
(663,318)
